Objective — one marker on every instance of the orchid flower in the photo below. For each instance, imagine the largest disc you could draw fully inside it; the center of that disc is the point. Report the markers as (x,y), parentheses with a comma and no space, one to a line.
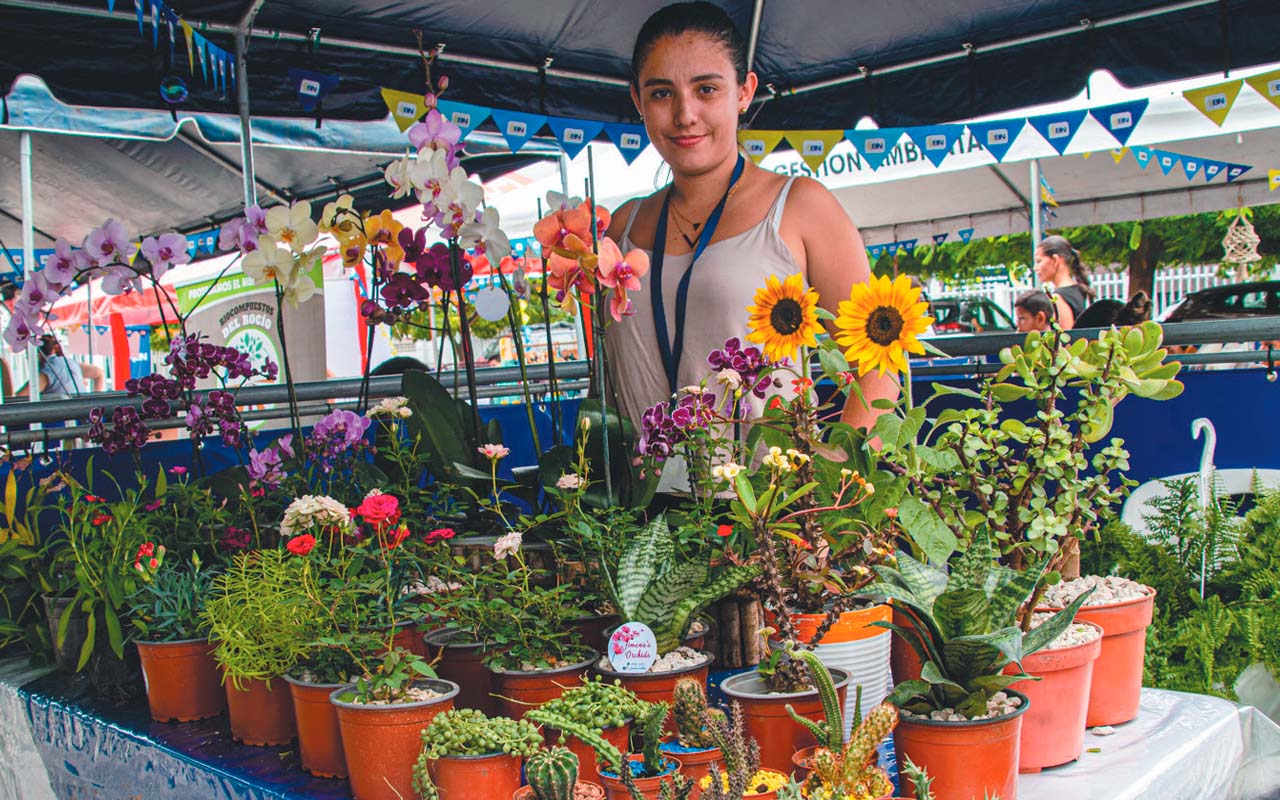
(292,225)
(565,275)
(119,279)
(435,132)
(169,250)
(622,274)
(399,176)
(384,230)
(109,244)
(270,262)
(61,269)
(486,236)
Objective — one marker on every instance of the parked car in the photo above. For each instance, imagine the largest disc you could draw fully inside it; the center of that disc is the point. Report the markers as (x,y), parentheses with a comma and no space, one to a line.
(1233,301)
(968,315)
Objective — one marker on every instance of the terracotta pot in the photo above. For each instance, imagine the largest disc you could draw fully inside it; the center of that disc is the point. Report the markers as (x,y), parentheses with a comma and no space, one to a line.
(903,661)
(495,775)
(319,740)
(648,787)
(517,691)
(593,629)
(800,761)
(1053,730)
(1117,674)
(382,742)
(463,663)
(654,687)
(766,720)
(261,712)
(968,760)
(182,680)
(694,764)
(582,790)
(698,640)
(619,736)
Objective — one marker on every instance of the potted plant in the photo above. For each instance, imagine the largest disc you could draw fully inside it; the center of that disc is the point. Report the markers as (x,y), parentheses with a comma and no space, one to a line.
(466,754)
(173,638)
(652,586)
(606,708)
(312,681)
(694,743)
(959,719)
(553,775)
(742,776)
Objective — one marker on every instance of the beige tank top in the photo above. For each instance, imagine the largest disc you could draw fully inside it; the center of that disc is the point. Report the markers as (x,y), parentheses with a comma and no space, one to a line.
(723,284)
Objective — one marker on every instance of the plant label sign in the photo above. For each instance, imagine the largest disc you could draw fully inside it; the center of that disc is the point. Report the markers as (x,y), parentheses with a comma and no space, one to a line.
(633,648)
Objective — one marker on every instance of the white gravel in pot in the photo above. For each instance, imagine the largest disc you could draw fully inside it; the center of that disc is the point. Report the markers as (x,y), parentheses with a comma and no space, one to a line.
(1106,591)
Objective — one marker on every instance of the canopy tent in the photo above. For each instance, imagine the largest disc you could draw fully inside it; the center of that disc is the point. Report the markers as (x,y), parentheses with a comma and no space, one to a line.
(824,63)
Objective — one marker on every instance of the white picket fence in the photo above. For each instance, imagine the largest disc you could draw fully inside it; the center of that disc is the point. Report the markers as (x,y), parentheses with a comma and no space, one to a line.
(1171,285)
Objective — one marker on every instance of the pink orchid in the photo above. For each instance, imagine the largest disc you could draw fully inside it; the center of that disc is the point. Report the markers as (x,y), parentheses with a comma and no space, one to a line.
(622,274)
(109,244)
(169,250)
(61,269)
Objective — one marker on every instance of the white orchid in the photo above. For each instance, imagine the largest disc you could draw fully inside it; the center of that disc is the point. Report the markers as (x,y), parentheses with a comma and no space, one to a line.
(561,202)
(486,234)
(399,176)
(270,262)
(292,225)
(299,286)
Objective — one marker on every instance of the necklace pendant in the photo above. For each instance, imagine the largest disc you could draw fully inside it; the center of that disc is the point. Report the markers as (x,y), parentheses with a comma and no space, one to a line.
(697,225)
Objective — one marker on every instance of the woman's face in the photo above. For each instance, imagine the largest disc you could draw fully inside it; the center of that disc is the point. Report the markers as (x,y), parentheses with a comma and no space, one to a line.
(690,99)
(1047,266)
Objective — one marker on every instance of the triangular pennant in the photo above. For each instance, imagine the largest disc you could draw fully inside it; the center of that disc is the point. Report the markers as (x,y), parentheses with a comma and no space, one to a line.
(101,329)
(1268,85)
(1273,179)
(631,140)
(910,245)
(1058,129)
(874,145)
(1117,154)
(111,6)
(1120,118)
(935,141)
(997,136)
(171,21)
(84,328)
(406,107)
(517,127)
(1166,160)
(191,55)
(813,146)
(1236,170)
(965,234)
(311,86)
(1142,155)
(939,238)
(140,8)
(758,144)
(231,71)
(202,51)
(1190,166)
(215,65)
(892,248)
(156,7)
(574,134)
(466,116)
(1214,101)
(1211,169)
(875,251)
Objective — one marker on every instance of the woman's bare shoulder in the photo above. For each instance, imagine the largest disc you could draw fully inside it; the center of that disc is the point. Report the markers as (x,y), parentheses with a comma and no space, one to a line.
(646,214)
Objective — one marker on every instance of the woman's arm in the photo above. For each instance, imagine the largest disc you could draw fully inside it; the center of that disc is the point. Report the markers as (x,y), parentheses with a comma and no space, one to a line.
(1066,317)
(93,375)
(834,260)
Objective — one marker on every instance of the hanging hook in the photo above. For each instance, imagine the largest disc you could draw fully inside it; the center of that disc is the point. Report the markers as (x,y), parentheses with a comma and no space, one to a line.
(1271,363)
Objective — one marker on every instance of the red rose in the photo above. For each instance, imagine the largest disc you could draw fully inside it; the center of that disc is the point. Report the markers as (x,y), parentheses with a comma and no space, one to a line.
(301,545)
(397,536)
(93,498)
(440,535)
(382,511)
(724,531)
(101,518)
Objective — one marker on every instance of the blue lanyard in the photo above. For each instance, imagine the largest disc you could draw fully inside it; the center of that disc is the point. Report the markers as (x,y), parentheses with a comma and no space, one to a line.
(671,353)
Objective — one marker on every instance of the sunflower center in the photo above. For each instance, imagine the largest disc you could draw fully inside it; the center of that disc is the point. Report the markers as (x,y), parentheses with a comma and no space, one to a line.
(786,316)
(884,324)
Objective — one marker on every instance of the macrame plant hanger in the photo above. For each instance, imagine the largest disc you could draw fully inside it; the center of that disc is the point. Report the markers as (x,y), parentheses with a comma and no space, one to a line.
(1240,245)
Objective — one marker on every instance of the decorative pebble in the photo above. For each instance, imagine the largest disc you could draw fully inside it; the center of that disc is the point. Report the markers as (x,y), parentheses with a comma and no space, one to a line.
(1106,591)
(1102,730)
(1076,633)
(998,705)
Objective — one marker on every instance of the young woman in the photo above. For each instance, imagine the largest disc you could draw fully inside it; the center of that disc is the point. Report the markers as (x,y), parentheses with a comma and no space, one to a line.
(690,84)
(1057,262)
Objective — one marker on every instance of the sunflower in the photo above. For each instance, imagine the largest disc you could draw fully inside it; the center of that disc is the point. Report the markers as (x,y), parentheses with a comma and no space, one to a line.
(784,317)
(880,320)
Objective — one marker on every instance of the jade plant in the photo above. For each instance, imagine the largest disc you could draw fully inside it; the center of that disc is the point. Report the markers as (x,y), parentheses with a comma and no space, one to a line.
(652,586)
(468,732)
(552,773)
(692,715)
(963,626)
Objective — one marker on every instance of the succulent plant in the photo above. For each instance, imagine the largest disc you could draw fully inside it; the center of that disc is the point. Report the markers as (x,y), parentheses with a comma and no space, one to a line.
(596,703)
(741,757)
(829,732)
(692,714)
(552,773)
(468,732)
(919,778)
(649,718)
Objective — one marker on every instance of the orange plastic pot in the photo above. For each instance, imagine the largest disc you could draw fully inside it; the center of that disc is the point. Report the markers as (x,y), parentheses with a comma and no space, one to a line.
(582,790)
(1117,674)
(518,691)
(903,661)
(648,787)
(495,775)
(850,626)
(1053,730)
(968,760)
(694,764)
(592,629)
(619,736)
(769,795)
(319,740)
(261,712)
(463,663)
(766,720)
(655,687)
(182,680)
(382,742)
(801,761)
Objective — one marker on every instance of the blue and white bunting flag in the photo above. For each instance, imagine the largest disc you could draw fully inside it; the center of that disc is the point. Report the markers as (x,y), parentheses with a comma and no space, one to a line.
(909,245)
(935,141)
(466,116)
(156,7)
(1142,155)
(875,251)
(939,238)
(874,146)
(1211,169)
(141,8)
(1190,166)
(1058,129)
(311,86)
(1236,170)
(574,134)
(1166,160)
(1121,118)
(631,140)
(517,127)
(965,234)
(997,136)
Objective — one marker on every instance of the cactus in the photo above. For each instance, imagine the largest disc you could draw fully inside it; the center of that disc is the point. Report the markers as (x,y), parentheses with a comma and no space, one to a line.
(919,778)
(552,773)
(829,732)
(649,728)
(741,757)
(849,771)
(692,714)
(591,737)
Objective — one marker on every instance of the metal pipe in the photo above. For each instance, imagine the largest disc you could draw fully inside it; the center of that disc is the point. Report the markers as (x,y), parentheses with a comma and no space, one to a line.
(753,37)
(197,144)
(1036,233)
(29,251)
(246,129)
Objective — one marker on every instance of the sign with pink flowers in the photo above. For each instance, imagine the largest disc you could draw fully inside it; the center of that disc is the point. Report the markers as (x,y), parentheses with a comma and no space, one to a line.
(633,648)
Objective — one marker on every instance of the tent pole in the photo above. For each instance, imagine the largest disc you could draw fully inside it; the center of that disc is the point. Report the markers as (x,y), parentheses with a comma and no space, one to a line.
(29,251)
(246,130)
(754,38)
(577,318)
(1036,233)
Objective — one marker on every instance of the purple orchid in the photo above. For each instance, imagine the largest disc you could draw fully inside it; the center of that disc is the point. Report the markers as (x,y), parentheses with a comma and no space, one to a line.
(165,252)
(402,292)
(109,244)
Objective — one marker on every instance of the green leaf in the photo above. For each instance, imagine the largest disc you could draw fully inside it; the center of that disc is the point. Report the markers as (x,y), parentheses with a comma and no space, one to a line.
(1007,598)
(86,649)
(745,493)
(940,389)
(924,581)
(970,657)
(1041,635)
(931,673)
(939,460)
(725,581)
(833,363)
(962,613)
(904,691)
(658,603)
(971,569)
(639,564)
(932,349)
(1008,392)
(887,428)
(910,427)
(114,637)
(927,530)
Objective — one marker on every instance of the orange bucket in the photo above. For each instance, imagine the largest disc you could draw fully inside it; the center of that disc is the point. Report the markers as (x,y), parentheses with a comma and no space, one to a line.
(319,739)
